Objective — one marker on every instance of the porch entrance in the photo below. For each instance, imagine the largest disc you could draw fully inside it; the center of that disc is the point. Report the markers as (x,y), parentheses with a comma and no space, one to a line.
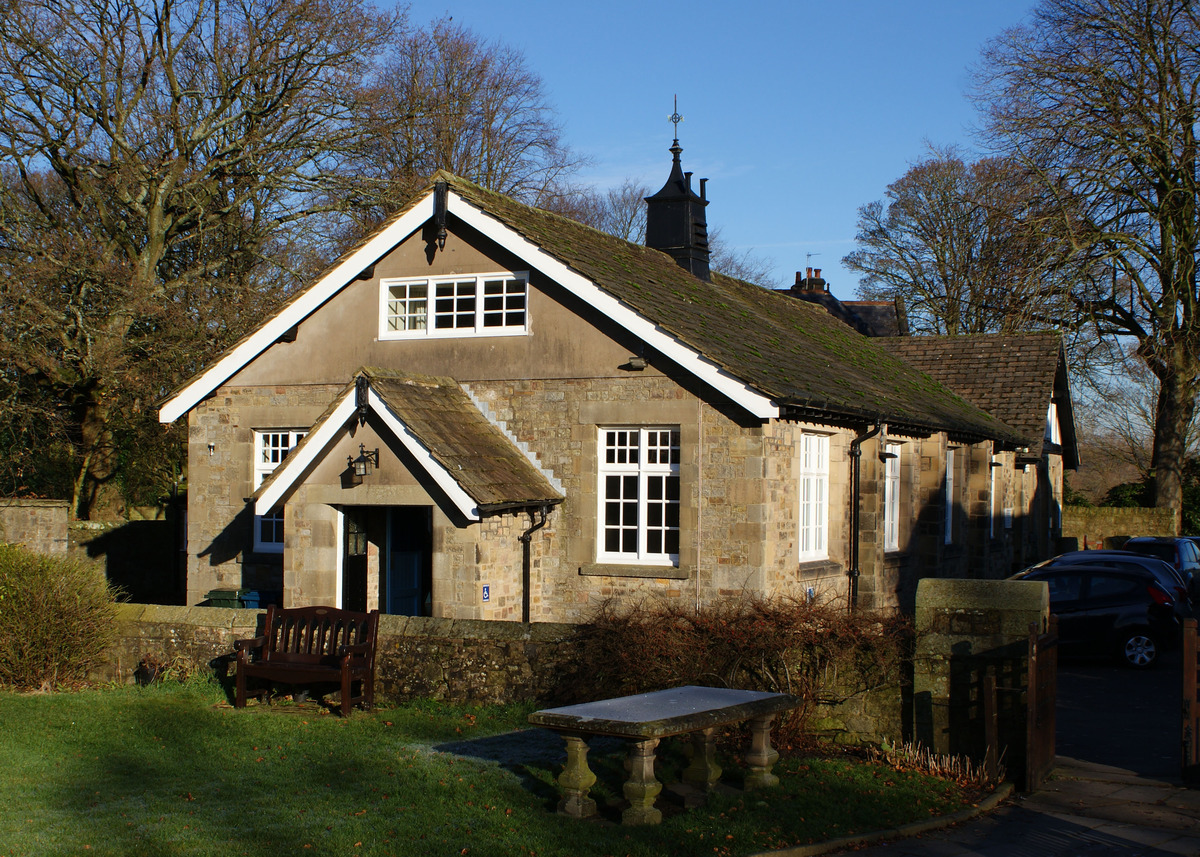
(389,551)
(406,572)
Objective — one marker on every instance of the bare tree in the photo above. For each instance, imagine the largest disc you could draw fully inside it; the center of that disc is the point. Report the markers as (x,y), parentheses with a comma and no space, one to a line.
(1098,99)
(157,155)
(621,211)
(448,100)
(965,245)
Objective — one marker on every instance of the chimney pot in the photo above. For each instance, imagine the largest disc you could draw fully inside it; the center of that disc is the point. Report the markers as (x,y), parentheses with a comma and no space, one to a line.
(817,272)
(808,273)
(799,278)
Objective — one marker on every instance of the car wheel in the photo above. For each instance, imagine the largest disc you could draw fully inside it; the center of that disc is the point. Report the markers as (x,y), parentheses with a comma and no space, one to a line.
(1138,650)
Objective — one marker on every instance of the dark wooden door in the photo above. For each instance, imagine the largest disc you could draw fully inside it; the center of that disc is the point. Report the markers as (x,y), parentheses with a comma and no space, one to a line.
(408,584)
(354,561)
(1191,706)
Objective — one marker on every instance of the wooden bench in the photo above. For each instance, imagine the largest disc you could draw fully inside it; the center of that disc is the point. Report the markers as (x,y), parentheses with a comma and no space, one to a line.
(312,645)
(644,719)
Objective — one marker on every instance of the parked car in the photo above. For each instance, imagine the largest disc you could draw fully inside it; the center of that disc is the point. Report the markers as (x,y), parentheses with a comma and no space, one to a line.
(1167,575)
(1121,612)
(1182,553)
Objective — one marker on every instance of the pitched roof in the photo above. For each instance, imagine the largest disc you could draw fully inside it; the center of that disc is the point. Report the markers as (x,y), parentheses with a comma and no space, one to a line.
(769,353)
(483,460)
(480,469)
(1014,377)
(794,352)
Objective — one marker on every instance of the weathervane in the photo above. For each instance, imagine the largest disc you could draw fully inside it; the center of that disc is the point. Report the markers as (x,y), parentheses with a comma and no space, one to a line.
(676,118)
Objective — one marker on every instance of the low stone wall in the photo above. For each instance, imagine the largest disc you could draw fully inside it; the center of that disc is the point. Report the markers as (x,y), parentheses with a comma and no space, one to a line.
(1109,527)
(870,717)
(40,525)
(461,661)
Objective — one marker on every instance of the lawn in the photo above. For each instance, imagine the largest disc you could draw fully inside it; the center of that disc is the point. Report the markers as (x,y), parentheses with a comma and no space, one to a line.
(172,769)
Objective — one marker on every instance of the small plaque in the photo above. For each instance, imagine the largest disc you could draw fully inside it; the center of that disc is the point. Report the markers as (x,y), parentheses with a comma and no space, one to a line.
(487,592)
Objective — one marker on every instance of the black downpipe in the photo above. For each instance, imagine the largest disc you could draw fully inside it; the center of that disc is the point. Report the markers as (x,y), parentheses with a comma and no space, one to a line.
(855,498)
(525,538)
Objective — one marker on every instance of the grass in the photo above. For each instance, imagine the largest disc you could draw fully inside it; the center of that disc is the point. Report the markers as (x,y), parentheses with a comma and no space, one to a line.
(171,769)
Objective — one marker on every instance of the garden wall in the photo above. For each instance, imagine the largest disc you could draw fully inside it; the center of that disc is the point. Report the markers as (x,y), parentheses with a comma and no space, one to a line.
(466,660)
(40,525)
(1109,526)
(460,661)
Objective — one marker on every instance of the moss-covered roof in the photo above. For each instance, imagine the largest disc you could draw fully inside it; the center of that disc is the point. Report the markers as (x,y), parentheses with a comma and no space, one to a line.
(476,454)
(480,457)
(791,351)
(1009,376)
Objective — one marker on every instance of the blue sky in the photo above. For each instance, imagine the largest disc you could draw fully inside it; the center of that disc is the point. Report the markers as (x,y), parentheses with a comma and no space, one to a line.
(798,113)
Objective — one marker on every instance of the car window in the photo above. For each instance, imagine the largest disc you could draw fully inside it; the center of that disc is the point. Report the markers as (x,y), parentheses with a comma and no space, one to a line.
(1112,586)
(1158,549)
(1064,587)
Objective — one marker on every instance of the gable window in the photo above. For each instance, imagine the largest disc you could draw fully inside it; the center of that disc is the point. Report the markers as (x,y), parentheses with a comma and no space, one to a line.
(814,497)
(949,498)
(271,447)
(483,305)
(891,498)
(639,495)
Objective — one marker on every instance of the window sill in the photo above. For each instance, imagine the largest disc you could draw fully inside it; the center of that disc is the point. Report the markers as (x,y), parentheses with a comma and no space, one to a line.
(667,572)
(820,568)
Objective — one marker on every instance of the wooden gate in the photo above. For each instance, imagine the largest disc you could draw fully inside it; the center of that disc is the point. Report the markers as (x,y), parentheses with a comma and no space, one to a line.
(1041,698)
(1191,706)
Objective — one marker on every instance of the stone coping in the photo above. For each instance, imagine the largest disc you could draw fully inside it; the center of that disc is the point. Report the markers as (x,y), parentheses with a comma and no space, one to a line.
(664,712)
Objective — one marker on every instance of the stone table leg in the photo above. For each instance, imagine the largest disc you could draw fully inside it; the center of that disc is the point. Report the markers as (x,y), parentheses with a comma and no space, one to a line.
(762,756)
(642,788)
(575,780)
(703,771)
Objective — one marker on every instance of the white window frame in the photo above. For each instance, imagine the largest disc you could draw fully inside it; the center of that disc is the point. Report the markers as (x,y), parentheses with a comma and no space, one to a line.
(812,532)
(891,497)
(271,447)
(641,508)
(414,308)
(992,468)
(949,496)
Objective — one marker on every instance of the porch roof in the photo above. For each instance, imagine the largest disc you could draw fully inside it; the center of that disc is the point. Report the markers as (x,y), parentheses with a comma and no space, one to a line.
(480,468)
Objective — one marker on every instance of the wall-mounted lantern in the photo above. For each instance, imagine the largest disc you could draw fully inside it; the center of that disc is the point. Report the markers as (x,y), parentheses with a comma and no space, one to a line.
(363,464)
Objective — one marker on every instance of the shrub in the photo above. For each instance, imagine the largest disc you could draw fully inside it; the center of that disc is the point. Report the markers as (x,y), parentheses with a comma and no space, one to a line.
(56,618)
(818,652)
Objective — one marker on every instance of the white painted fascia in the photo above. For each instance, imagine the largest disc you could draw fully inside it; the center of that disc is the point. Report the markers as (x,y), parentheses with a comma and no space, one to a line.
(440,475)
(314,446)
(710,373)
(291,315)
(318,442)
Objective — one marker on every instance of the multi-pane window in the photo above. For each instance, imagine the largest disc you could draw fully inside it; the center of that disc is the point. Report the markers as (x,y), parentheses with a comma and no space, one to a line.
(949,497)
(271,447)
(492,304)
(891,497)
(639,495)
(814,497)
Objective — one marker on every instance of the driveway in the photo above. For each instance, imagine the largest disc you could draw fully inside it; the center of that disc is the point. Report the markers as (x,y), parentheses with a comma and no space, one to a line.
(1115,789)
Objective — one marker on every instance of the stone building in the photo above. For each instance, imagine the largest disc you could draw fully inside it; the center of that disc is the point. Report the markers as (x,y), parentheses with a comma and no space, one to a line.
(489,411)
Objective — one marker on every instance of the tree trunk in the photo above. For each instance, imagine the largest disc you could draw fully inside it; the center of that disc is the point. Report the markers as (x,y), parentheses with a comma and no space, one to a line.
(96,494)
(1173,415)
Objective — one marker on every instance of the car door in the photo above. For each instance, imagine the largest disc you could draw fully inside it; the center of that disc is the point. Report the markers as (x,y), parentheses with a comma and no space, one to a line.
(1066,602)
(1110,600)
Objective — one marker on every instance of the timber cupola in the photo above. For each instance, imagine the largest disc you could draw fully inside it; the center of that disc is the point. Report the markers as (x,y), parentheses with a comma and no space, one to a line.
(675,222)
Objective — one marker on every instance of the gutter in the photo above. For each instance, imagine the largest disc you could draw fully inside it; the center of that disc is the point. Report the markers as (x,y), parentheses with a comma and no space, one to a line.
(525,539)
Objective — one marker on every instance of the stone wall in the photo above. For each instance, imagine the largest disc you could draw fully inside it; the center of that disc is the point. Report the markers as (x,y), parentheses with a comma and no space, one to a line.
(40,525)
(1107,527)
(461,661)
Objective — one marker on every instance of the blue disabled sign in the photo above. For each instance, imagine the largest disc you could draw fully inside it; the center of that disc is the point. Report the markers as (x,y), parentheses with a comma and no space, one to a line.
(487,592)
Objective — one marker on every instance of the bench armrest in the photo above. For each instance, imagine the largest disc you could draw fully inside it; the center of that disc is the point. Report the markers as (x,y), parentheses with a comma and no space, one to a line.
(356,649)
(243,647)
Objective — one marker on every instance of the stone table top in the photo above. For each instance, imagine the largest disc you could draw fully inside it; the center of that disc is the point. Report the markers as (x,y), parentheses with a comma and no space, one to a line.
(663,712)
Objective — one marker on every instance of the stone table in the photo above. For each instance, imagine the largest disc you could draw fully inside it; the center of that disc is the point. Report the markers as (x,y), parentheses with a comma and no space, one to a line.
(646,718)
